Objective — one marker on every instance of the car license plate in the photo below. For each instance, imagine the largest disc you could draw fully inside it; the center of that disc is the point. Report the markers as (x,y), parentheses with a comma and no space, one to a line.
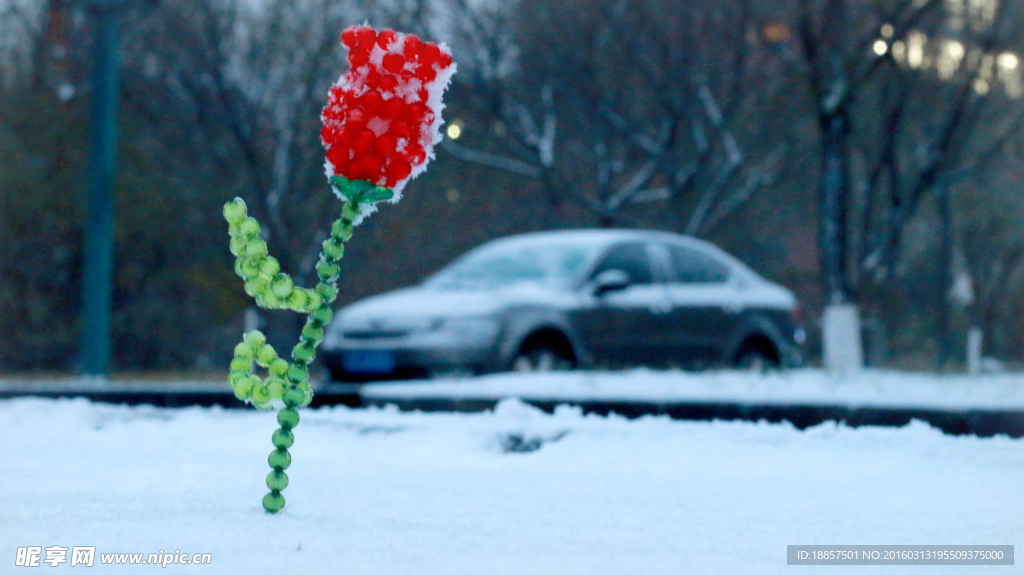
(369,361)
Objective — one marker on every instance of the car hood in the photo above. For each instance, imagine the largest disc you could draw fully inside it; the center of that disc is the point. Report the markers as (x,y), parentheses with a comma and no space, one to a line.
(418,307)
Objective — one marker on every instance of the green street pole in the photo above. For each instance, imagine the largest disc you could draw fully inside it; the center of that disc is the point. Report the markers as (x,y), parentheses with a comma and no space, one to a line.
(97,278)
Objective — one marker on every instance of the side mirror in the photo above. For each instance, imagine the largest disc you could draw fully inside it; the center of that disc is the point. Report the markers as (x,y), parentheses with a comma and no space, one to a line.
(610,280)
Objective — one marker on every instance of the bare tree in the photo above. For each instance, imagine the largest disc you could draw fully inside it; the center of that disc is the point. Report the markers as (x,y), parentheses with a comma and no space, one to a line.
(621,103)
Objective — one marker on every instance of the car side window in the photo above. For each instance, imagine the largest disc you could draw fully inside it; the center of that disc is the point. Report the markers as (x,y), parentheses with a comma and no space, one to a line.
(692,266)
(630,258)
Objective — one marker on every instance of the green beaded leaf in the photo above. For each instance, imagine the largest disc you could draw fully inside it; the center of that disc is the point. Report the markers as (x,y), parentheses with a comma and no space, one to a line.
(343,185)
(377,194)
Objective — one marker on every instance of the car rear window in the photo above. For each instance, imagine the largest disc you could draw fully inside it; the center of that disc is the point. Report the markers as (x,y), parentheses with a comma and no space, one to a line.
(692,266)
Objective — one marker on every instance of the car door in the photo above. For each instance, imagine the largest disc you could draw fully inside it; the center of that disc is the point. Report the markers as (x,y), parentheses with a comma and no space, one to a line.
(626,326)
(705,304)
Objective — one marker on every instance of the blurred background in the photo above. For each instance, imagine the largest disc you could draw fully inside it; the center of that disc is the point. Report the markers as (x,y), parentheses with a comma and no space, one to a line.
(852,150)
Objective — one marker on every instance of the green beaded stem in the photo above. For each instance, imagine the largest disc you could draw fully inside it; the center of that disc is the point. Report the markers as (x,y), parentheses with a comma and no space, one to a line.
(287,383)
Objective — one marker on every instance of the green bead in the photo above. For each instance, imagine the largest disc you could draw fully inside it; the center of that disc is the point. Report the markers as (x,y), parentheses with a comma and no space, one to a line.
(313,333)
(322,315)
(262,405)
(327,270)
(341,230)
(293,396)
(247,267)
(235,376)
(303,353)
(260,394)
(237,245)
(278,367)
(297,373)
(288,418)
(244,351)
(282,286)
(271,300)
(255,286)
(265,355)
(255,339)
(279,459)
(241,364)
(282,438)
(307,397)
(327,291)
(350,211)
(277,480)
(297,301)
(334,249)
(249,228)
(242,389)
(273,502)
(234,211)
(270,266)
(256,248)
(313,301)
(275,388)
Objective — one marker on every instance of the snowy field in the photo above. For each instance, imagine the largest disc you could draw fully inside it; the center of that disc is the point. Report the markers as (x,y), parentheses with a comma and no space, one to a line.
(510,491)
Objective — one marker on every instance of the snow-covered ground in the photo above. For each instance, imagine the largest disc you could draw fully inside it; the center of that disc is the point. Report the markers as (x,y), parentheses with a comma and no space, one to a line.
(381,491)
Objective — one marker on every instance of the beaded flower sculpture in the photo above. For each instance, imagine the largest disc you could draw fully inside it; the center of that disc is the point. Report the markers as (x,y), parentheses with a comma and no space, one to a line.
(380,125)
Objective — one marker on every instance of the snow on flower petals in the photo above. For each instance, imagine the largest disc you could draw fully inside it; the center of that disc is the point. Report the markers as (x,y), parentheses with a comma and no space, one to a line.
(383,116)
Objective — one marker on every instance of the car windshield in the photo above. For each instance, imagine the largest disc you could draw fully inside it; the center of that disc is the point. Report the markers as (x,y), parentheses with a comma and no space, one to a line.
(505,264)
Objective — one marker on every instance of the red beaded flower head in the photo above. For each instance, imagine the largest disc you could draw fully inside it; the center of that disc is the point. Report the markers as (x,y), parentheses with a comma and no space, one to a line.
(383,116)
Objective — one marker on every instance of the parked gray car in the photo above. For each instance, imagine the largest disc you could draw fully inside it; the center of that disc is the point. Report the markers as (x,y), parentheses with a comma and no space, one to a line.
(566,299)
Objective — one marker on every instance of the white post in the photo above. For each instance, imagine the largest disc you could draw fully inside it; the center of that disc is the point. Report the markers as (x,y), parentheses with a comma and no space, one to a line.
(974,350)
(252,319)
(841,339)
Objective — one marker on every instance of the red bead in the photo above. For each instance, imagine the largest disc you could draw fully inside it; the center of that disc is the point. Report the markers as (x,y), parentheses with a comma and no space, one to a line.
(358,57)
(326,135)
(372,164)
(365,36)
(371,103)
(399,169)
(415,112)
(348,37)
(385,145)
(445,60)
(423,94)
(428,54)
(416,154)
(394,108)
(364,141)
(426,74)
(388,82)
(373,78)
(338,157)
(393,63)
(400,129)
(412,45)
(385,38)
